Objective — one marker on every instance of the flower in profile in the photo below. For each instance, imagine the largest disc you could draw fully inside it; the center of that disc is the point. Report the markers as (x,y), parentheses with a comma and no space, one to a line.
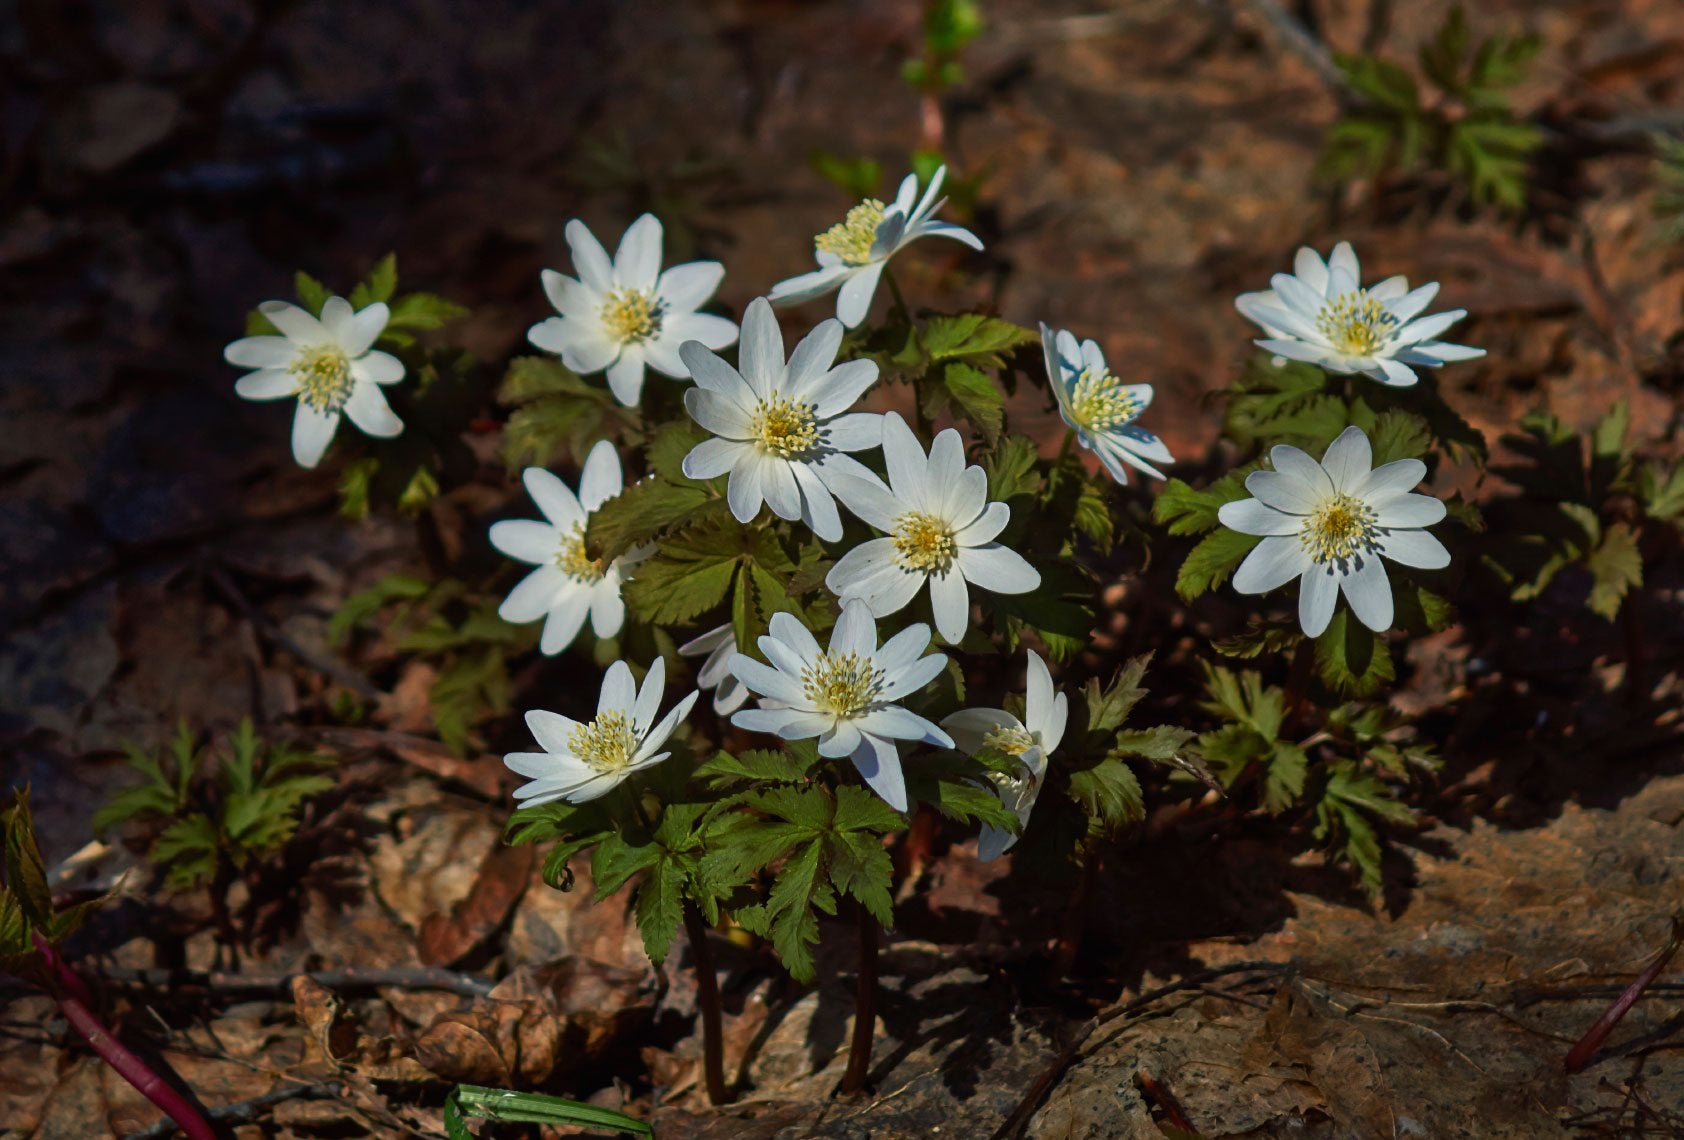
(1031,740)
(940,530)
(853,253)
(581,761)
(621,315)
(568,584)
(717,647)
(844,695)
(328,363)
(1329,523)
(1321,313)
(781,430)
(1100,408)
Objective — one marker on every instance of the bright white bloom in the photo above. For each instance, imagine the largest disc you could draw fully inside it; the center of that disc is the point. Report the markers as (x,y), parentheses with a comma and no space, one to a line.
(1032,740)
(844,695)
(941,530)
(853,253)
(328,364)
(581,762)
(568,585)
(1101,408)
(719,645)
(1328,523)
(623,314)
(1322,314)
(781,430)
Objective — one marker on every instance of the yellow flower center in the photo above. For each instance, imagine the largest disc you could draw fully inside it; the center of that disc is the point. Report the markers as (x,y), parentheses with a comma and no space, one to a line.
(631,316)
(1013,740)
(785,428)
(573,560)
(607,743)
(1338,528)
(1098,401)
(851,238)
(843,685)
(1356,324)
(924,542)
(324,377)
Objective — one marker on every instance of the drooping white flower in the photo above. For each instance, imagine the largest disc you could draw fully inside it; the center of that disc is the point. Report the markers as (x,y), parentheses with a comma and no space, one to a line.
(583,761)
(844,695)
(941,530)
(852,253)
(328,363)
(719,646)
(1032,740)
(782,431)
(1322,314)
(621,315)
(568,585)
(1329,523)
(1101,408)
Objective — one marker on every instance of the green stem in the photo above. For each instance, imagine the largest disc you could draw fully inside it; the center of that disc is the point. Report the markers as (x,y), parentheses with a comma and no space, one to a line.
(900,301)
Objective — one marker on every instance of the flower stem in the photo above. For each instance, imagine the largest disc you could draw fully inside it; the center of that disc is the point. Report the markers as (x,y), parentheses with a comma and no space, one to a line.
(75,1002)
(865,1008)
(1586,1048)
(707,997)
(900,301)
(1297,685)
(1075,916)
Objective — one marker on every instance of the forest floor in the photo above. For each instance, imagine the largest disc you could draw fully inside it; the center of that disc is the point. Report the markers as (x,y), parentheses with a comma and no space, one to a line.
(169,163)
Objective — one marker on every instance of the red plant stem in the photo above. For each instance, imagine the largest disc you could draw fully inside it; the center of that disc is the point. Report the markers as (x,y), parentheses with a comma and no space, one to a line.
(75,1002)
(1297,686)
(707,998)
(1579,1056)
(1075,917)
(865,1008)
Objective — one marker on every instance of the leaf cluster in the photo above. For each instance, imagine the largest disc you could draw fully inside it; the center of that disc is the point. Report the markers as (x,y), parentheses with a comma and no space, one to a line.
(27,912)
(220,810)
(1456,119)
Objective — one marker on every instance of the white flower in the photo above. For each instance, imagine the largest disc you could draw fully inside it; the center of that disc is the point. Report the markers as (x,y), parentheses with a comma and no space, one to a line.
(853,253)
(844,695)
(941,530)
(568,584)
(780,429)
(1032,740)
(1101,408)
(581,762)
(328,365)
(1322,314)
(1328,523)
(719,645)
(623,314)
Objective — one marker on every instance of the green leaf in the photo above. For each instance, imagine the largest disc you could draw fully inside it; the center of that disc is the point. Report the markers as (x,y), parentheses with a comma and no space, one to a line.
(312,294)
(354,486)
(1616,566)
(382,281)
(1211,563)
(1107,708)
(558,413)
(1399,435)
(861,868)
(974,338)
(25,872)
(965,391)
(360,607)
(188,849)
(660,907)
(1351,659)
(643,512)
(422,312)
(1182,510)
(1011,468)
(1110,794)
(533,1108)
(615,861)
(1283,783)
(1342,819)
(790,914)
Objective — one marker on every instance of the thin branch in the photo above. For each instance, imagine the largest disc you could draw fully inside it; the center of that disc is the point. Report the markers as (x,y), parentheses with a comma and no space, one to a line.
(1303,43)
(246,1111)
(354,978)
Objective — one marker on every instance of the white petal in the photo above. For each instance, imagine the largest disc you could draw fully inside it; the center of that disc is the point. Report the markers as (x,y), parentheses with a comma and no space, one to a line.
(608,610)
(839,389)
(994,567)
(312,431)
(589,258)
(1412,304)
(637,263)
(619,689)
(570,298)
(856,431)
(1370,593)
(526,539)
(745,490)
(856,630)
(1286,491)
(777,484)
(358,334)
(1348,459)
(765,680)
(1391,478)
(842,738)
(1318,592)
(794,290)
(868,499)
(552,732)
(1407,510)
(969,726)
(950,604)
(567,616)
(717,414)
(812,358)
(368,409)
(554,498)
(532,596)
(1427,327)
(602,478)
(907,464)
(1344,259)
(857,291)
(712,457)
(295,323)
(818,507)
(878,762)
(1395,373)
(1310,269)
(625,375)
(267,384)
(1415,548)
(1271,564)
(986,527)
(714,375)
(260,352)
(1254,516)
(787,629)
(1290,460)
(715,332)
(686,288)
(378,368)
(760,355)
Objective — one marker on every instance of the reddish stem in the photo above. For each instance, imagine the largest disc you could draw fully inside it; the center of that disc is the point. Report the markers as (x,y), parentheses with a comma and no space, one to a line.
(75,1002)
(865,1008)
(707,998)
(1581,1053)
(1075,917)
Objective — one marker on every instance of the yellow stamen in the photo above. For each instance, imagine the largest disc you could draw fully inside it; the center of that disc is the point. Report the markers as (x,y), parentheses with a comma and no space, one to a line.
(1356,324)
(1098,401)
(843,685)
(851,238)
(1010,739)
(324,377)
(573,560)
(924,542)
(1339,527)
(785,428)
(631,316)
(607,743)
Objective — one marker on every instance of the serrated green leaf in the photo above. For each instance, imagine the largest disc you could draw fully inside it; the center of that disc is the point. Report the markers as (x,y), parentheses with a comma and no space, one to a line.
(964,391)
(1399,435)
(1011,469)
(861,868)
(312,294)
(1182,510)
(1213,561)
(1351,659)
(1109,793)
(973,337)
(644,512)
(1616,567)
(660,907)
(422,312)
